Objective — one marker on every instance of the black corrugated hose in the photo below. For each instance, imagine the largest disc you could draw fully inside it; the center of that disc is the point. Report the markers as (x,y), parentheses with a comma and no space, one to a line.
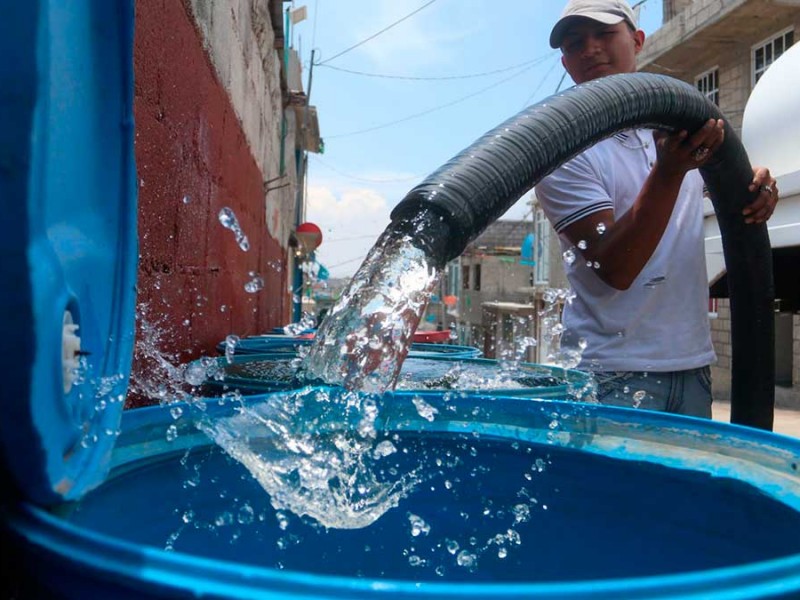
(460,199)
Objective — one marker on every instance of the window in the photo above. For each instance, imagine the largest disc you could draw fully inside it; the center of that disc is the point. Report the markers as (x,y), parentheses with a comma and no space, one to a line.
(465,276)
(477,277)
(453,279)
(768,52)
(541,251)
(708,84)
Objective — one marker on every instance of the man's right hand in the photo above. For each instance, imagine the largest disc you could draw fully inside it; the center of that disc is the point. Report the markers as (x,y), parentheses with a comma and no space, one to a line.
(677,153)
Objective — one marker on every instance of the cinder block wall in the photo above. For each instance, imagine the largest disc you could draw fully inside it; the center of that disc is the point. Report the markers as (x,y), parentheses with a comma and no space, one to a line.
(721,338)
(197,151)
(796,353)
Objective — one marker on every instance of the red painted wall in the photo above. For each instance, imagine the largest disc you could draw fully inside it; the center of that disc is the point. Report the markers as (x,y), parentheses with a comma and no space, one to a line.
(189,144)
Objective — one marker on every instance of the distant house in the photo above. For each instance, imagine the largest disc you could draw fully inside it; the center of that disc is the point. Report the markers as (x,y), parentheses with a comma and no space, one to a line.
(493,293)
(724,47)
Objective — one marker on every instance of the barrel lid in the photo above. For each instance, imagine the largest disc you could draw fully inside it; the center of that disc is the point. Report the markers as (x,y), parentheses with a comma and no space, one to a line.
(68,253)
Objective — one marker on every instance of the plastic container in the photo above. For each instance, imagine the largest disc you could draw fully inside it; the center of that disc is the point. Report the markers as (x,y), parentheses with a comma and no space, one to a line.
(562,500)
(270,372)
(260,344)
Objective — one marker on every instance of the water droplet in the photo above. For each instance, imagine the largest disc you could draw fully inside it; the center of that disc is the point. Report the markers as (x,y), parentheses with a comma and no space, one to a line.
(418,525)
(583,245)
(246,514)
(569,256)
(452,546)
(172,433)
(384,448)
(283,520)
(228,220)
(176,412)
(466,559)
(425,410)
(256,283)
(601,228)
(231,342)
(186,199)
(596,265)
(522,513)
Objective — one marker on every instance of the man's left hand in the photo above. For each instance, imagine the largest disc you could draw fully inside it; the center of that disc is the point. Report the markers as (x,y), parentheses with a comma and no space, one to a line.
(761,209)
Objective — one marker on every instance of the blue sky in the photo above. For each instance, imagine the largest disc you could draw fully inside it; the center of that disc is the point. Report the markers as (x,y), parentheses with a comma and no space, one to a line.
(353,186)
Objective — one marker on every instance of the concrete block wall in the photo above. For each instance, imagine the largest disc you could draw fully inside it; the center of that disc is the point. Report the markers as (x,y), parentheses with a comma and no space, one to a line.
(208,112)
(721,338)
(239,39)
(796,353)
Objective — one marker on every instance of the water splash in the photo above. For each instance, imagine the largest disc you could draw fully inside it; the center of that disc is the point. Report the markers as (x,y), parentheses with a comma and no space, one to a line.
(306,322)
(228,220)
(231,342)
(313,452)
(553,329)
(365,338)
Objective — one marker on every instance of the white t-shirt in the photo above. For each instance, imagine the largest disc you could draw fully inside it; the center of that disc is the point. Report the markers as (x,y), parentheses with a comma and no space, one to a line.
(661,322)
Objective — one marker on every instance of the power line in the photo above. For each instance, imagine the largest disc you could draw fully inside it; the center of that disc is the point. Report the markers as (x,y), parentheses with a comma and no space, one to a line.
(541,83)
(434,109)
(440,78)
(352,239)
(374,35)
(347,262)
(366,179)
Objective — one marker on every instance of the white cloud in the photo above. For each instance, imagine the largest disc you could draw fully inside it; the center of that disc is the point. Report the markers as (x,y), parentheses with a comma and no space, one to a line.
(351,220)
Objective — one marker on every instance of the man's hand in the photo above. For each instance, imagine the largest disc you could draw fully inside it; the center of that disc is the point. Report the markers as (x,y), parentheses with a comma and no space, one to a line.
(680,152)
(763,206)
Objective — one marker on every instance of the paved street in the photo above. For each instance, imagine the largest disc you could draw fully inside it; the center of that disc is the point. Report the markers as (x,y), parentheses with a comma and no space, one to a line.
(787,422)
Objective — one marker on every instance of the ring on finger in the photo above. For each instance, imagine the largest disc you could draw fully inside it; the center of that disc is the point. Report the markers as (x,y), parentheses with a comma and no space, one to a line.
(768,188)
(700,153)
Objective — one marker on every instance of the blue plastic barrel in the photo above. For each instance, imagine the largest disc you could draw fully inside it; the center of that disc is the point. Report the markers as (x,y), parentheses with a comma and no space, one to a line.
(260,344)
(554,500)
(276,371)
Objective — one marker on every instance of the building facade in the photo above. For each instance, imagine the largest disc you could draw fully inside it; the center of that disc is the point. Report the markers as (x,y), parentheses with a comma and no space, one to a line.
(493,295)
(724,47)
(222,125)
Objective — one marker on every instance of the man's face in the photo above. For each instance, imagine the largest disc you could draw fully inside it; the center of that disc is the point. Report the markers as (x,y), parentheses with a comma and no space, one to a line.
(591,49)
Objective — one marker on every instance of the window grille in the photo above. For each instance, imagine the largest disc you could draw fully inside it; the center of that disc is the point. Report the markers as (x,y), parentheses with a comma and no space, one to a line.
(708,84)
(767,52)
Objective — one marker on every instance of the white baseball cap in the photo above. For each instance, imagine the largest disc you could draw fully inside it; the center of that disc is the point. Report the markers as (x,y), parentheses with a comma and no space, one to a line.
(608,12)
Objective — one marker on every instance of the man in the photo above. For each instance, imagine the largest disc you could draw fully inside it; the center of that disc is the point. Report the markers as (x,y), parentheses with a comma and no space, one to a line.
(630,209)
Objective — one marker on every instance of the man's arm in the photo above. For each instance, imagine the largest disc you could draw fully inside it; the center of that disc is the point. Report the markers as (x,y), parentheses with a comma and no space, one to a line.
(623,246)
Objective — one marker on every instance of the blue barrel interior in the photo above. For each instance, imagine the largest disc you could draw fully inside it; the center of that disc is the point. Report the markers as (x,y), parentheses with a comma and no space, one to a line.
(553,499)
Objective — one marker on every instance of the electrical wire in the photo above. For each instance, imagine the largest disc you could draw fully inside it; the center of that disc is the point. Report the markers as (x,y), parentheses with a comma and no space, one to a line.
(541,83)
(442,77)
(374,35)
(347,262)
(431,110)
(352,239)
(366,179)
